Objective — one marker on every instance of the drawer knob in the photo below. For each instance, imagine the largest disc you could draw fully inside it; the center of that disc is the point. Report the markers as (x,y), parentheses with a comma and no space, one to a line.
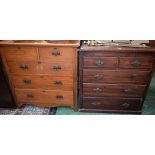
(98,76)
(129,91)
(58,82)
(59,97)
(24,66)
(98,90)
(136,63)
(55,52)
(27,81)
(30,95)
(99,63)
(56,67)
(126,105)
(95,103)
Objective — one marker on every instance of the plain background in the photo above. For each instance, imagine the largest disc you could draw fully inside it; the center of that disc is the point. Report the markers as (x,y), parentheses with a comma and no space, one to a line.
(77,20)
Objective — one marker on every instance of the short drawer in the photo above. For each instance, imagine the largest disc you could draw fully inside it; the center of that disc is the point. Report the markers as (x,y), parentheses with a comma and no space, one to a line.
(42,82)
(135,62)
(116,76)
(20,53)
(114,90)
(23,67)
(131,104)
(100,62)
(57,68)
(57,53)
(45,96)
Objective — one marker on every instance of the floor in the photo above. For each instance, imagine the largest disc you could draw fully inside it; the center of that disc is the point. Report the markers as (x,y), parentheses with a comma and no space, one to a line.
(148,107)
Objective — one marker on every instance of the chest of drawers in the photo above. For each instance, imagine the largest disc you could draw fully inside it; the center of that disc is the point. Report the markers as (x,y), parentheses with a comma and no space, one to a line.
(43,74)
(114,79)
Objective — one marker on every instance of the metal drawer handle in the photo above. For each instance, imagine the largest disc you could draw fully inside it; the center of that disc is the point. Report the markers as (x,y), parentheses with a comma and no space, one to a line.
(58,82)
(30,95)
(126,105)
(132,76)
(98,76)
(24,66)
(95,103)
(98,90)
(55,52)
(128,90)
(136,63)
(56,67)
(99,63)
(59,97)
(27,81)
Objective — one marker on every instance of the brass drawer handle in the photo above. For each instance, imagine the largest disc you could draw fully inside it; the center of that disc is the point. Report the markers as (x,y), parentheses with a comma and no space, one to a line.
(99,63)
(27,81)
(59,97)
(55,52)
(129,91)
(56,68)
(24,66)
(58,82)
(125,105)
(30,95)
(98,90)
(136,63)
(95,103)
(98,76)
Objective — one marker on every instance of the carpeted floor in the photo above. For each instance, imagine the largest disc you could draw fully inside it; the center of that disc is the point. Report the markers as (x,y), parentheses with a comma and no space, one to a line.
(28,110)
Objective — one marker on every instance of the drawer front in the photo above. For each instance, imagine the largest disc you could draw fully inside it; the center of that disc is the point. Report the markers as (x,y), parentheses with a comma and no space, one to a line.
(57,68)
(23,67)
(56,53)
(45,96)
(20,53)
(42,82)
(131,104)
(139,62)
(115,76)
(95,90)
(101,62)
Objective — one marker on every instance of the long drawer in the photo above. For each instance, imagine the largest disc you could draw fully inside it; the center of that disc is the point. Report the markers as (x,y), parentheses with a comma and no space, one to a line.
(116,90)
(30,67)
(116,76)
(127,104)
(20,53)
(57,53)
(42,82)
(45,96)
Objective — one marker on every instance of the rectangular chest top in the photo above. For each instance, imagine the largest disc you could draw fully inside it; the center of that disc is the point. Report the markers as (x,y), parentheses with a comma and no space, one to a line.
(71,43)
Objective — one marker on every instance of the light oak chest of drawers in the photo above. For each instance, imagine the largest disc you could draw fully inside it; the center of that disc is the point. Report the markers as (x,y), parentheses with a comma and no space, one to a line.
(114,79)
(43,74)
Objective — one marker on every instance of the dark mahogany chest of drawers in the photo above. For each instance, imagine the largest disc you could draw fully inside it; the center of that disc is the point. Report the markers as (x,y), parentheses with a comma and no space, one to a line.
(114,79)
